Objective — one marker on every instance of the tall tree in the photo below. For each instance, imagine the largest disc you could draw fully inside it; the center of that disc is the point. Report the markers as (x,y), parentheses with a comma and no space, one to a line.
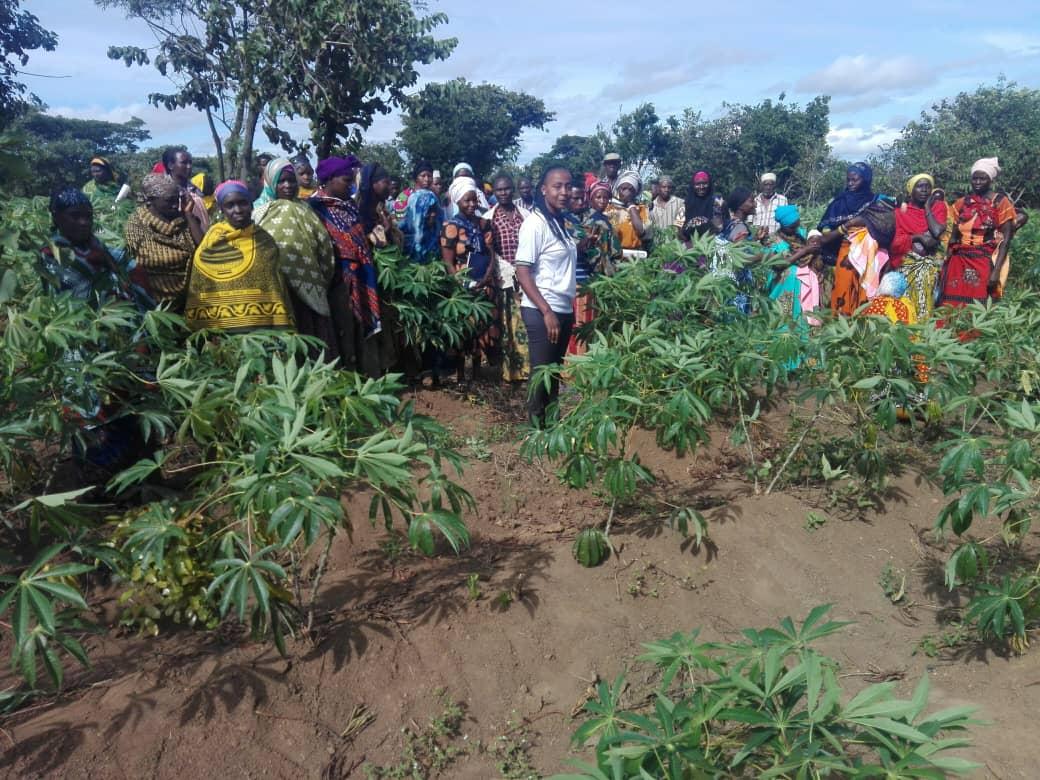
(641,139)
(20,33)
(1002,120)
(748,140)
(58,149)
(235,62)
(481,124)
(580,153)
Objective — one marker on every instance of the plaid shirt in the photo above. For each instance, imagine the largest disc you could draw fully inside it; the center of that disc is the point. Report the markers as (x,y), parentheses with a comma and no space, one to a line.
(505,231)
(764,209)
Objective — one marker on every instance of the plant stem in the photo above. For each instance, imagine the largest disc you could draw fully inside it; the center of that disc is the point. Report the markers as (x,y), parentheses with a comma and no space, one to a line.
(794,449)
(610,519)
(317,580)
(747,440)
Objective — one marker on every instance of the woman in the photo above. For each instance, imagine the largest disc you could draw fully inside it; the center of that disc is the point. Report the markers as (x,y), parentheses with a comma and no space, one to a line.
(599,252)
(273,171)
(372,194)
(422,176)
(111,200)
(505,219)
(740,205)
(162,236)
(858,193)
(304,175)
(177,165)
(629,219)
(545,269)
(305,251)
(354,299)
(421,227)
(920,224)
(892,303)
(77,262)
(699,210)
(465,245)
(983,221)
(862,256)
(205,184)
(235,283)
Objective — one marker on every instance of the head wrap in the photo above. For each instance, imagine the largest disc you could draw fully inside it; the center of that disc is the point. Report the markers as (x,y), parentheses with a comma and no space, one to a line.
(435,176)
(461,167)
(787,215)
(302,159)
(865,172)
(988,165)
(768,177)
(596,187)
(664,180)
(701,176)
(912,181)
(155,185)
(814,233)
(629,177)
(737,198)
(68,198)
(159,167)
(230,187)
(460,187)
(103,162)
(332,167)
(272,173)
(421,239)
(893,284)
(420,167)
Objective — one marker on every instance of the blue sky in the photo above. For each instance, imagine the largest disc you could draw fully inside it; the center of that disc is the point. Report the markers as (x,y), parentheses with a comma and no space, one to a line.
(881,62)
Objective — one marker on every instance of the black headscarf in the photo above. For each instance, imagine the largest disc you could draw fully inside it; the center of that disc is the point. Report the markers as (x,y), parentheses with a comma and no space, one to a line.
(847,204)
(367,202)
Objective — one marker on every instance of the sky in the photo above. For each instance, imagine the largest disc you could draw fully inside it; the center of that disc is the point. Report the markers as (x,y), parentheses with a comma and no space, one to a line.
(882,63)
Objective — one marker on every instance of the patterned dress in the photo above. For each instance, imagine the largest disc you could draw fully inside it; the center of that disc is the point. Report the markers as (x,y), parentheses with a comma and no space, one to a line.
(164,249)
(978,220)
(505,237)
(470,244)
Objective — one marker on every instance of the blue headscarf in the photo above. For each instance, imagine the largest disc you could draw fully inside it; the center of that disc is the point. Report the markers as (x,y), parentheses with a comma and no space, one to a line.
(787,215)
(421,240)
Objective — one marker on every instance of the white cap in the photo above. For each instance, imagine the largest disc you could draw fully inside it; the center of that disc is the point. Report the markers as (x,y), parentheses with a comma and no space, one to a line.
(768,177)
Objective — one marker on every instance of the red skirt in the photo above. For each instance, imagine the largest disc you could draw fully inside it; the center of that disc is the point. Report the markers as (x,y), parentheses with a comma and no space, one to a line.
(965,277)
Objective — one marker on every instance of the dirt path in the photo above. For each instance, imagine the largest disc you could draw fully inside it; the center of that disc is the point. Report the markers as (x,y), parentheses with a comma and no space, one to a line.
(526,648)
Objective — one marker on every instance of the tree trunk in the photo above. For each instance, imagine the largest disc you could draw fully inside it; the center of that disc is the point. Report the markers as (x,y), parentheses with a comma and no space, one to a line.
(248,131)
(328,138)
(216,143)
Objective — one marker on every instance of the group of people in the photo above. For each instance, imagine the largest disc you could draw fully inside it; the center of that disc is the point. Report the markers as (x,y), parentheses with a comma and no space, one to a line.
(296,250)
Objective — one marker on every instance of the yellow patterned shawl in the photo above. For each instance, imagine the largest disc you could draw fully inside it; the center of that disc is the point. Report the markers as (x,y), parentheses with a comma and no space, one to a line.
(235,282)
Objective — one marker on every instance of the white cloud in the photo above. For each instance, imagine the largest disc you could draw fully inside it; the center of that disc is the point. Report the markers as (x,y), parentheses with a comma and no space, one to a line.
(1013,42)
(851,142)
(863,75)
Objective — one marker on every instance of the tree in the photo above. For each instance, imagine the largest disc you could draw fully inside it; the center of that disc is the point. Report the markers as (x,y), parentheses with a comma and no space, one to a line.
(480,124)
(20,33)
(58,149)
(1002,121)
(386,153)
(747,141)
(580,153)
(234,62)
(641,139)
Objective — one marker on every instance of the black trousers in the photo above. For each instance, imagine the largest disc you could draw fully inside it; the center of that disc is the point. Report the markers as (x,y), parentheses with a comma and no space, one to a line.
(543,353)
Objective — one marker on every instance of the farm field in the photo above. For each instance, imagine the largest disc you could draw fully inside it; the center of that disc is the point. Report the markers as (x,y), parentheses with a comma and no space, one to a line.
(518,647)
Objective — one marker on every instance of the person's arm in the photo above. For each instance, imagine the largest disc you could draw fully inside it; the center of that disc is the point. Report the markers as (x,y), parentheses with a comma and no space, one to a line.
(449,245)
(194,225)
(637,219)
(935,226)
(1006,230)
(526,280)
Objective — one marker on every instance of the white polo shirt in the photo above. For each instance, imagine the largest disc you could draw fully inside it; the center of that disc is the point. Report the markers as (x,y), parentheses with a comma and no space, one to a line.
(552,263)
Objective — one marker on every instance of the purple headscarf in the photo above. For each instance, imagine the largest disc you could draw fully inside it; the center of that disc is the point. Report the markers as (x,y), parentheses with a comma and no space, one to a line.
(332,167)
(229,187)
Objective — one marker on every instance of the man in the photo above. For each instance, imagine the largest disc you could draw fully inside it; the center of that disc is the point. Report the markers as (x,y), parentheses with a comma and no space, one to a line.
(505,219)
(611,169)
(765,206)
(665,209)
(256,186)
(526,190)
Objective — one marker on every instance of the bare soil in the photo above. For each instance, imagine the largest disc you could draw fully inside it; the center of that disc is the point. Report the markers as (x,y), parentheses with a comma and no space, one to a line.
(521,656)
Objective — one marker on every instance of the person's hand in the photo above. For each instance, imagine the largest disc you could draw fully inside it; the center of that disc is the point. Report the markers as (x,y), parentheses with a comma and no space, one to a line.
(935,195)
(804,260)
(762,234)
(187,207)
(552,326)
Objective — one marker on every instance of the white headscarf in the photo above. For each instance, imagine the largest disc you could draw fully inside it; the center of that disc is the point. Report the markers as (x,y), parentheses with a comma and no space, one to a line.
(629,177)
(459,187)
(768,177)
(988,165)
(461,167)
